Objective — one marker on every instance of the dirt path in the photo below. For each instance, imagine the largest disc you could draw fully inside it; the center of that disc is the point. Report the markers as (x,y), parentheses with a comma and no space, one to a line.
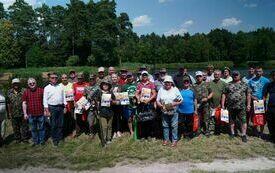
(234,165)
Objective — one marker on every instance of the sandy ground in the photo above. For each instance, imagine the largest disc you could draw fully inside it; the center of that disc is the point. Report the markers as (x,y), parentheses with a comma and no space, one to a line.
(234,165)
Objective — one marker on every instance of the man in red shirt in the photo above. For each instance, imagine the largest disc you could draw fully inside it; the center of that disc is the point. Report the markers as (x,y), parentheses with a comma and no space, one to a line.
(34,111)
(80,118)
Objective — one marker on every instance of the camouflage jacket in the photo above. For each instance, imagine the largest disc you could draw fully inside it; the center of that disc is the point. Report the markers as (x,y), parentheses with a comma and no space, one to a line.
(91,92)
(202,91)
(15,100)
(236,95)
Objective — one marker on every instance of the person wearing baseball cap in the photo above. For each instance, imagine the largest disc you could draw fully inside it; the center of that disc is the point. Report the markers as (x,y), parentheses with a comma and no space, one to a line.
(204,94)
(187,109)
(237,96)
(15,111)
(80,118)
(101,75)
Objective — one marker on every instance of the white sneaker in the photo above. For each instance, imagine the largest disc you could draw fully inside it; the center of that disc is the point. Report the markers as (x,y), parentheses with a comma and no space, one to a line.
(115,136)
(118,134)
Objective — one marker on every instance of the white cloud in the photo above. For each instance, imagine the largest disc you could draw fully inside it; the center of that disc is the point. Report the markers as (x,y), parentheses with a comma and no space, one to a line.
(181,30)
(141,21)
(230,22)
(8,3)
(251,5)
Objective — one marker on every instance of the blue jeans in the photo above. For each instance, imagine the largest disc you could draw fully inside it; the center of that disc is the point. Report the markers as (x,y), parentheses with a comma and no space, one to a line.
(37,128)
(167,121)
(57,118)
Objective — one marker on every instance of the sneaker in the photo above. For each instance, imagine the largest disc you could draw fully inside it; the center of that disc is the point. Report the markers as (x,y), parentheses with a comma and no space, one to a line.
(108,142)
(244,138)
(115,136)
(164,143)
(174,144)
(119,134)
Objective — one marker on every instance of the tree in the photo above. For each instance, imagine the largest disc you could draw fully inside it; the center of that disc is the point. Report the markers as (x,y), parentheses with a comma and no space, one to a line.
(10,51)
(2,11)
(24,20)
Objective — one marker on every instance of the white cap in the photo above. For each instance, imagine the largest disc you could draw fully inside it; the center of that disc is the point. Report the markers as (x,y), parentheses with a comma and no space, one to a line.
(101,69)
(144,72)
(15,80)
(199,73)
(168,78)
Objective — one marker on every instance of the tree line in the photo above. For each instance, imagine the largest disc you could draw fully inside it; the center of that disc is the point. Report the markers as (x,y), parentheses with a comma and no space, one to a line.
(94,34)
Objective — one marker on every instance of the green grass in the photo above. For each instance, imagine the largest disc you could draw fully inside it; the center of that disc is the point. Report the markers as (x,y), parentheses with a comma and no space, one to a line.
(84,154)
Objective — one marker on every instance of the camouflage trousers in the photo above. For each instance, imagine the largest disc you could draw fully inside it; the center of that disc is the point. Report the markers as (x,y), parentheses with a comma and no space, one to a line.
(20,128)
(207,122)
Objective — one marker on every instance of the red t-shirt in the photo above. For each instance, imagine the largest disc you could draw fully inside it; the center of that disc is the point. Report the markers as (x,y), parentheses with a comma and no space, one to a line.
(79,90)
(34,101)
(148,85)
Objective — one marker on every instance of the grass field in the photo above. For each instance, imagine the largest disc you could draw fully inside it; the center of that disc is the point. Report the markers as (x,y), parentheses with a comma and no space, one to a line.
(85,154)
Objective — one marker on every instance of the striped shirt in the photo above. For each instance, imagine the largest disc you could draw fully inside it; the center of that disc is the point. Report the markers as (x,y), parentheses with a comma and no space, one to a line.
(34,100)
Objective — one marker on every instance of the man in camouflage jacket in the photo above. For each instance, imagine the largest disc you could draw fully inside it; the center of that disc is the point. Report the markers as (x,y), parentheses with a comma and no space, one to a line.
(204,94)
(15,112)
(236,98)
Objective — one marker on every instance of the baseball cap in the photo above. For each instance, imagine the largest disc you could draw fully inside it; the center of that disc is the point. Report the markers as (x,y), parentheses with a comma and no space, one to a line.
(144,72)
(15,80)
(199,73)
(101,69)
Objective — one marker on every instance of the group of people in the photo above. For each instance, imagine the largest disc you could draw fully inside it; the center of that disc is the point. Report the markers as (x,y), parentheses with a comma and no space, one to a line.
(142,104)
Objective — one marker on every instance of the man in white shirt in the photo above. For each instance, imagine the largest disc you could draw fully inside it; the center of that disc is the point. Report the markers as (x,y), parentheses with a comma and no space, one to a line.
(54,101)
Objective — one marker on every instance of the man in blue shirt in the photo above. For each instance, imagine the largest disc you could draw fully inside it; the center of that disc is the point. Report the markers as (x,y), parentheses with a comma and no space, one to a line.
(257,85)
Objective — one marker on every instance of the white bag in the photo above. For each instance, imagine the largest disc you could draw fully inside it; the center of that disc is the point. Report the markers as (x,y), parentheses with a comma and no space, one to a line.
(224,115)
(259,107)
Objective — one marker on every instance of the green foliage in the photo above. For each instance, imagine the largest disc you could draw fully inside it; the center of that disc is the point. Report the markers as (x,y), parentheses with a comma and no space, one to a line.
(9,51)
(91,60)
(99,36)
(2,11)
(72,61)
(35,57)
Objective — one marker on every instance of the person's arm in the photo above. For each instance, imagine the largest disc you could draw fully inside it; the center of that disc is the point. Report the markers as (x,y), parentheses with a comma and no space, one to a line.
(196,106)
(248,100)
(45,102)
(9,106)
(153,95)
(223,100)
(137,95)
(24,105)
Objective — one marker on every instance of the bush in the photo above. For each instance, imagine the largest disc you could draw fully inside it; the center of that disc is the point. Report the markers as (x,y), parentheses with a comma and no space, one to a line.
(73,60)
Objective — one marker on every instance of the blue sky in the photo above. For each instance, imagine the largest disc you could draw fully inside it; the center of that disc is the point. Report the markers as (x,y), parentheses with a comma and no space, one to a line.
(180,16)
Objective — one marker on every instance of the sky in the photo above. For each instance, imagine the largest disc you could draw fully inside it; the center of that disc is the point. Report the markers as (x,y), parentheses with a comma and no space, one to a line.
(170,17)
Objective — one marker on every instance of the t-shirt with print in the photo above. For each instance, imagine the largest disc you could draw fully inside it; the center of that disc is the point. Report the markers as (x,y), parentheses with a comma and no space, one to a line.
(79,90)
(257,86)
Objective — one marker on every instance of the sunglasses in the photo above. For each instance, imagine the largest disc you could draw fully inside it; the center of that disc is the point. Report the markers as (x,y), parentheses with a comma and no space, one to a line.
(186,81)
(32,83)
